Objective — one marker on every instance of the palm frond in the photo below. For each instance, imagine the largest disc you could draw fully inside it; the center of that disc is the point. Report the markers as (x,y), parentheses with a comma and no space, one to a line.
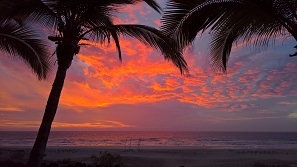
(229,21)
(22,42)
(91,9)
(184,19)
(29,10)
(117,42)
(145,34)
(102,34)
(87,14)
(154,38)
(152,3)
(233,25)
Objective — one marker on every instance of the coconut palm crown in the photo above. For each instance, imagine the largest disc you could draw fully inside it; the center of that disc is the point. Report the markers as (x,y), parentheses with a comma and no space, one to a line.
(73,21)
(252,21)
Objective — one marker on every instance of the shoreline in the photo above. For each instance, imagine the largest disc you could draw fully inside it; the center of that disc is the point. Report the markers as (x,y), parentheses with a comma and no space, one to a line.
(164,156)
(145,147)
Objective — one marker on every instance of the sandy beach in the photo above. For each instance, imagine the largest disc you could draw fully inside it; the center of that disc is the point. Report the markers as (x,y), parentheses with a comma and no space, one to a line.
(175,156)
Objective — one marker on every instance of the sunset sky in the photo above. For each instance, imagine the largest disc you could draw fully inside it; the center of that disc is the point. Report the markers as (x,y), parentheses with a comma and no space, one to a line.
(145,92)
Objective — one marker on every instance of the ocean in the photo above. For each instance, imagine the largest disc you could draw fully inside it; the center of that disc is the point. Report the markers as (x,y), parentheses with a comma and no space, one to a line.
(159,138)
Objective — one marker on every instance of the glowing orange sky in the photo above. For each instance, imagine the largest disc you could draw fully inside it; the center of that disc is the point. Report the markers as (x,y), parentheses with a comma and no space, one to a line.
(145,92)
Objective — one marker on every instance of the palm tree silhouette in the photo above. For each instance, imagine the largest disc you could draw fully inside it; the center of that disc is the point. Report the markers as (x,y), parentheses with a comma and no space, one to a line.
(73,21)
(22,42)
(256,21)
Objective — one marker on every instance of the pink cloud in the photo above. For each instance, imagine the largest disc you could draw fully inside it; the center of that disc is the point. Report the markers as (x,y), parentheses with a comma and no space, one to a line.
(246,118)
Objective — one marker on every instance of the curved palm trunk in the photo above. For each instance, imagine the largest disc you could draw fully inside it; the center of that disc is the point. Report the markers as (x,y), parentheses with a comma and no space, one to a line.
(38,149)
(65,55)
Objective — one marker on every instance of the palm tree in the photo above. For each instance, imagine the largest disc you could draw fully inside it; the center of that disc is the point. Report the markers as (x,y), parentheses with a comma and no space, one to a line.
(21,42)
(77,20)
(228,21)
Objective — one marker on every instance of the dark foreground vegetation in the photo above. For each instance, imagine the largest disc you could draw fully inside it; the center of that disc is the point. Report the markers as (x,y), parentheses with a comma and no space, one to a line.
(104,159)
(79,164)
(51,164)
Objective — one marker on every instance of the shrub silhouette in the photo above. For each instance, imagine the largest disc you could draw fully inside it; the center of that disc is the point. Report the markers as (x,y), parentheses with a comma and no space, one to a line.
(107,159)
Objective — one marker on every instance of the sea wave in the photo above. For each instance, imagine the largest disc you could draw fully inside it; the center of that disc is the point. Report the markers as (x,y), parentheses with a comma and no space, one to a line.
(211,139)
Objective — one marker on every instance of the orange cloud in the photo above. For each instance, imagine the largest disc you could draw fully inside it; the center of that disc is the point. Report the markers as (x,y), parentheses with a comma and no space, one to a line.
(19,123)
(287,103)
(158,23)
(101,124)
(35,124)
(11,109)
(98,81)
